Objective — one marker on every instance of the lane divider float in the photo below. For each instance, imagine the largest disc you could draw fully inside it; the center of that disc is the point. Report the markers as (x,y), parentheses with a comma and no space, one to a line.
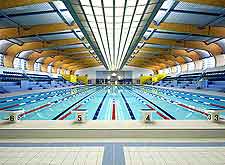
(164,111)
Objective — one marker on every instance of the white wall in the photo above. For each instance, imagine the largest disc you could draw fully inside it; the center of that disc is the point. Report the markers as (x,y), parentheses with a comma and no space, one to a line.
(215,63)
(136,71)
(91,72)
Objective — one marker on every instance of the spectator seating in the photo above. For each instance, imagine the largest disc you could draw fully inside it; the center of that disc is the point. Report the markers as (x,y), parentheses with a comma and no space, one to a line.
(208,80)
(15,81)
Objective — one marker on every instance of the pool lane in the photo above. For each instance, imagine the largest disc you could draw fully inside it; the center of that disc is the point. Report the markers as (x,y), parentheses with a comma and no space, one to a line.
(207,100)
(59,110)
(31,104)
(135,108)
(216,99)
(72,106)
(55,107)
(142,103)
(23,101)
(91,105)
(114,107)
(30,97)
(184,111)
(178,111)
(33,101)
(95,117)
(186,100)
(113,103)
(153,104)
(195,101)
(128,107)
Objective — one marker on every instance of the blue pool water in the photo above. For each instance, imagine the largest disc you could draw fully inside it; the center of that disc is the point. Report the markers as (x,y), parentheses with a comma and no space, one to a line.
(112,103)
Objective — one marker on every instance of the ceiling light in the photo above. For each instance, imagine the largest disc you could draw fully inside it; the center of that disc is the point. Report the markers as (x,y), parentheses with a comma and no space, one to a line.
(114,24)
(114,74)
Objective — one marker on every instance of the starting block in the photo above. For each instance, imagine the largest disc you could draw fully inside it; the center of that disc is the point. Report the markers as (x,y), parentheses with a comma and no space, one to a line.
(147,115)
(214,114)
(80,115)
(14,114)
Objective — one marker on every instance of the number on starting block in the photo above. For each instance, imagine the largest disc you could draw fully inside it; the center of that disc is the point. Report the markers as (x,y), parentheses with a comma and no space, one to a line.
(79,117)
(12,117)
(147,118)
(216,117)
(209,117)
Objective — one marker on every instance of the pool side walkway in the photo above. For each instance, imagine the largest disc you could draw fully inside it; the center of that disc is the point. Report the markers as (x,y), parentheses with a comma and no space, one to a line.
(112,142)
(112,129)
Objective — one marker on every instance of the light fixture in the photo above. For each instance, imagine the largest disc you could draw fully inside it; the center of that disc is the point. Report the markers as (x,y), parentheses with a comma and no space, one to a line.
(115,26)
(114,74)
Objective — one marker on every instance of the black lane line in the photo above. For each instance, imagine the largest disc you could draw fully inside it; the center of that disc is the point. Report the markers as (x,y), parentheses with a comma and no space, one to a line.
(67,109)
(56,101)
(99,107)
(154,105)
(128,108)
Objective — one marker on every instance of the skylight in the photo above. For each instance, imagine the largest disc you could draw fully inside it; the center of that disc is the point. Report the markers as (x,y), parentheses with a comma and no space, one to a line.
(115,26)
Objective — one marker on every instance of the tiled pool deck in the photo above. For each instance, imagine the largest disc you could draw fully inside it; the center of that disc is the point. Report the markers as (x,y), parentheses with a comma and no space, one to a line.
(163,153)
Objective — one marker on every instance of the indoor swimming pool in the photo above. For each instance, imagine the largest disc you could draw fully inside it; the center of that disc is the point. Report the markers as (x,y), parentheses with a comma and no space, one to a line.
(112,103)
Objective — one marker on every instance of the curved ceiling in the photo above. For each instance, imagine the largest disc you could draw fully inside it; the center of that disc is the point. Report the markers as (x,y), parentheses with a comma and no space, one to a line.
(182,28)
(152,34)
(37,29)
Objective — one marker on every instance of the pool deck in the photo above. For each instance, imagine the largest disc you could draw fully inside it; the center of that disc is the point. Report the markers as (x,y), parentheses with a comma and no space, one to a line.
(112,129)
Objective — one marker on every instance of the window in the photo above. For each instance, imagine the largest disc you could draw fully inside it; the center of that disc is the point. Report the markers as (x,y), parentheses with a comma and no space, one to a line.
(66,71)
(20,63)
(198,65)
(184,68)
(208,63)
(220,60)
(49,68)
(1,60)
(191,66)
(37,66)
(59,70)
(166,70)
(178,69)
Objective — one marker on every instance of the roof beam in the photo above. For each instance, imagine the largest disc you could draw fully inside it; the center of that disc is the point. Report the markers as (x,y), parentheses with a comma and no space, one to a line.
(176,52)
(65,63)
(212,48)
(34,30)
(34,56)
(13,50)
(5,4)
(191,29)
(218,3)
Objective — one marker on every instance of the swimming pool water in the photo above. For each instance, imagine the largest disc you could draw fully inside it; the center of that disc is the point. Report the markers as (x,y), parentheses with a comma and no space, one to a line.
(112,103)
